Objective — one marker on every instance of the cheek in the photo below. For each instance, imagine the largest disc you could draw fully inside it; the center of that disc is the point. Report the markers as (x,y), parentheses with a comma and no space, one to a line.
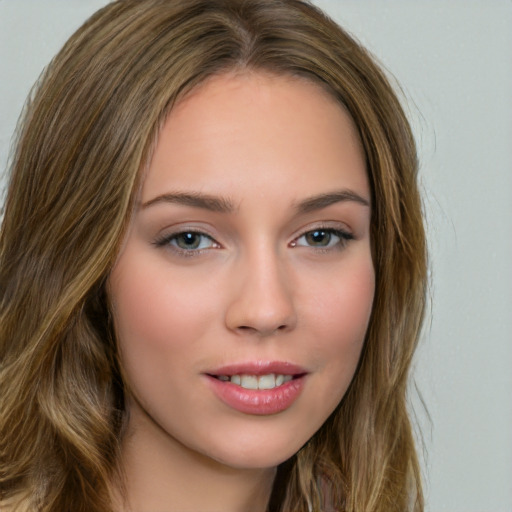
(159,318)
(342,307)
(339,320)
(152,304)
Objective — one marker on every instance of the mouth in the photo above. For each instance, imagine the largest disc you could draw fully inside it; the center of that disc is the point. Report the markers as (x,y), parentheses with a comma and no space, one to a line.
(267,381)
(259,374)
(260,388)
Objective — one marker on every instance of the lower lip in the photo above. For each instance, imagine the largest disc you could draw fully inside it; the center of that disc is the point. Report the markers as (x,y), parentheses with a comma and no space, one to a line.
(254,401)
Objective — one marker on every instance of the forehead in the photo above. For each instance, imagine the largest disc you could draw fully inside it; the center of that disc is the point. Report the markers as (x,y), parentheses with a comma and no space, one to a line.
(253,126)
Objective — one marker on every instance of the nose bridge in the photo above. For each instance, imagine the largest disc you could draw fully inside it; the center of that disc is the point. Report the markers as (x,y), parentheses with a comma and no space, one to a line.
(263,299)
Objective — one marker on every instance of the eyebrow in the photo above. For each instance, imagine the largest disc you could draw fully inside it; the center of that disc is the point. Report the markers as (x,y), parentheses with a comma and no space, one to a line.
(225,205)
(196,200)
(324,200)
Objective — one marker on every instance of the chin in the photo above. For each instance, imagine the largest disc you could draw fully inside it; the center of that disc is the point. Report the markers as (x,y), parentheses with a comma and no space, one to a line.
(258,450)
(259,458)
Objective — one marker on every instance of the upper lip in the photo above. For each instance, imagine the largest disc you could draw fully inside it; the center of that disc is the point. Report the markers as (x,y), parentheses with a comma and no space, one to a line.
(258,368)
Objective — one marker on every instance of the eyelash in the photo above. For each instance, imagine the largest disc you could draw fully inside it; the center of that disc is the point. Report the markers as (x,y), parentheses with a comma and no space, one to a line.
(344,237)
(169,240)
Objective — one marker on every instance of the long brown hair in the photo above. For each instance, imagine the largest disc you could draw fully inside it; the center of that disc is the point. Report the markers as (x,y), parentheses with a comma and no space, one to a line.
(87,133)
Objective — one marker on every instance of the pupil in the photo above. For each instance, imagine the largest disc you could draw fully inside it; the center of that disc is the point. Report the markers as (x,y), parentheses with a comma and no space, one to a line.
(188,240)
(318,238)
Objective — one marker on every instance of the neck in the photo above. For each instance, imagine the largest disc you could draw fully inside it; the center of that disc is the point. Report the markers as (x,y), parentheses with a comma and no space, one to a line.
(160,474)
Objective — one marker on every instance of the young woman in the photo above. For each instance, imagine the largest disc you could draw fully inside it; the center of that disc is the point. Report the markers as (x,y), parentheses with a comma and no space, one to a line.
(212,270)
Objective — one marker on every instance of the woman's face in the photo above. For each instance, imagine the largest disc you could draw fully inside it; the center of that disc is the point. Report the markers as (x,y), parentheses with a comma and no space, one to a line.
(247,265)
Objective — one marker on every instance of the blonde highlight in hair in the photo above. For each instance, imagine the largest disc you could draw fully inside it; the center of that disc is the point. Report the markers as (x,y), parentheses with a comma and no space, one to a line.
(87,134)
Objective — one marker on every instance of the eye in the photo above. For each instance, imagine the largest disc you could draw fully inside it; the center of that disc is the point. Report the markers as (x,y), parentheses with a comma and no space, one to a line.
(187,241)
(323,238)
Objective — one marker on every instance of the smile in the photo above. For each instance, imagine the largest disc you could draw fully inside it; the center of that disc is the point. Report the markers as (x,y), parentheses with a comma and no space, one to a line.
(269,381)
(258,388)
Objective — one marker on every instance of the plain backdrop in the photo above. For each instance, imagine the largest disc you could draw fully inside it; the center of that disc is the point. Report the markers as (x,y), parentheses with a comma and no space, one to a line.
(454,63)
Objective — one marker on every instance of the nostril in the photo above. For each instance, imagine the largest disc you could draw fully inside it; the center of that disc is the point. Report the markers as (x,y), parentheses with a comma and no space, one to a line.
(262,331)
(247,329)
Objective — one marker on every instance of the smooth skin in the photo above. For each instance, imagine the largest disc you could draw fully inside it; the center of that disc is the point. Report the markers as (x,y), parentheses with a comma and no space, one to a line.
(250,242)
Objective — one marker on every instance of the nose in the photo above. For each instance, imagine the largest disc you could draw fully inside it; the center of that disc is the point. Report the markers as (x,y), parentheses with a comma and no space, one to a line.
(262,300)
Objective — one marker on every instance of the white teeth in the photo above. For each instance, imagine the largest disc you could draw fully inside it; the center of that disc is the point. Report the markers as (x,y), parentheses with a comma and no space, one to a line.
(249,381)
(269,381)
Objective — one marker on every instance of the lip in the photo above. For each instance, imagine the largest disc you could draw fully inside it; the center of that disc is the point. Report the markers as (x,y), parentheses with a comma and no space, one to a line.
(254,401)
(259,368)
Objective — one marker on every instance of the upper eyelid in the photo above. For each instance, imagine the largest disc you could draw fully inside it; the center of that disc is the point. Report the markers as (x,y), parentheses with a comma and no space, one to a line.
(334,230)
(171,231)
(343,235)
(166,237)
(331,225)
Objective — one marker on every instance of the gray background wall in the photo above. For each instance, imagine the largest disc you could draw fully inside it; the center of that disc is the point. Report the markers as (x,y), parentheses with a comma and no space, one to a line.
(454,62)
